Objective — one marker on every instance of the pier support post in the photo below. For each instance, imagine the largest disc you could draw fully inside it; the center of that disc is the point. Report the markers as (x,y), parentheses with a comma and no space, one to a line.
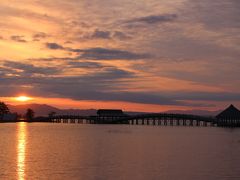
(184,122)
(204,123)
(178,122)
(198,123)
(165,122)
(191,122)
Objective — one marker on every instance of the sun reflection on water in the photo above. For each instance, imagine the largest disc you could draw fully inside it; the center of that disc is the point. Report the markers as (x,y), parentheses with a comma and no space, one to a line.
(21,150)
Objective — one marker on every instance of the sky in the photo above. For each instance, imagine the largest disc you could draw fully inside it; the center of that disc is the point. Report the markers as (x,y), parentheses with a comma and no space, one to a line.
(143,55)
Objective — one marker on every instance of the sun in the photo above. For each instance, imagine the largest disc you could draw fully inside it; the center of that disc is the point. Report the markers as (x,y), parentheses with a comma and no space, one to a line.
(23,98)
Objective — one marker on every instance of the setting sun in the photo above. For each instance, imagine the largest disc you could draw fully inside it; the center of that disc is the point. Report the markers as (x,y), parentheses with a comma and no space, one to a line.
(23,98)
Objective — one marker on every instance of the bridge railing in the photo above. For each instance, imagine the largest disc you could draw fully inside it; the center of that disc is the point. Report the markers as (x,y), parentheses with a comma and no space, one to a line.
(128,119)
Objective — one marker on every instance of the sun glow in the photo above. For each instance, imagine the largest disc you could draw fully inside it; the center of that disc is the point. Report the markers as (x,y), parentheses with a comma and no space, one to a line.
(23,98)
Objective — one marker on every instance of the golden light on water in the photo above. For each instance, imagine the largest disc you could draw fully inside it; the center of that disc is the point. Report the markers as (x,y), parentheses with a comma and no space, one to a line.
(23,98)
(21,150)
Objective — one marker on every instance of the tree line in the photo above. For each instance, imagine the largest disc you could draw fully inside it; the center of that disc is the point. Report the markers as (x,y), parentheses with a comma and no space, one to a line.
(4,109)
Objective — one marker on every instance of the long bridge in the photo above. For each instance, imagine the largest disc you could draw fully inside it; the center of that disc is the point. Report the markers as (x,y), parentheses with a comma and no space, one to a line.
(229,117)
(141,119)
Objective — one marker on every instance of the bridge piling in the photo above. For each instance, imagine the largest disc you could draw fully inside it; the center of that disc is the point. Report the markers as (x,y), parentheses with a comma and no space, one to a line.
(205,124)
(198,123)
(146,119)
(184,122)
(191,122)
(165,122)
(136,121)
(178,122)
(154,121)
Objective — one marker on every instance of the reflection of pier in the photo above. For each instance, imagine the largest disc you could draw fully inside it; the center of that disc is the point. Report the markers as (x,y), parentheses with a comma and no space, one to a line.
(229,117)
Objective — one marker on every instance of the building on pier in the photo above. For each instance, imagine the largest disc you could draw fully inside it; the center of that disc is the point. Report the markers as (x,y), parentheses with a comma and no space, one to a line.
(109,115)
(110,112)
(229,117)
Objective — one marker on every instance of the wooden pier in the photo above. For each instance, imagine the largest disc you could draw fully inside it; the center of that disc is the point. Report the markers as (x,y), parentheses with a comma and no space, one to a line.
(161,119)
(228,118)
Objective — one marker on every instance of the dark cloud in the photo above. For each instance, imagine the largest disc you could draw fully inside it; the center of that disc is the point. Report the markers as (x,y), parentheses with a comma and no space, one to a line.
(101,34)
(154,19)
(110,54)
(18,39)
(111,73)
(39,35)
(54,46)
(143,98)
(84,64)
(29,69)
(90,88)
(101,53)
(106,84)
(205,31)
(120,35)
(5,71)
(207,96)
(108,35)
(106,79)
(215,15)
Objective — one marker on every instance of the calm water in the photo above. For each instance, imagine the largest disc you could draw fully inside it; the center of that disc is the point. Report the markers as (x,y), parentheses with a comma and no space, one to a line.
(68,151)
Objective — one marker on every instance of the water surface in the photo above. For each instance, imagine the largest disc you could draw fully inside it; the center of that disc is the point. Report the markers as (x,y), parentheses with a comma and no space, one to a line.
(76,151)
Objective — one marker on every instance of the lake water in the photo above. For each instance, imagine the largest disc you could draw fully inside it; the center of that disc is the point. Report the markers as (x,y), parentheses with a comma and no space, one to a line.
(102,152)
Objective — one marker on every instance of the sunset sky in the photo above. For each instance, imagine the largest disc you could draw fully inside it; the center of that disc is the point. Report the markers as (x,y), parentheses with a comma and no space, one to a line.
(143,55)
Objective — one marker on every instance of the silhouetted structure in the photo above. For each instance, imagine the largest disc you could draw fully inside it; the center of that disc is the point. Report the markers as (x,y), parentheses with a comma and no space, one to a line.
(105,116)
(114,117)
(229,117)
(165,119)
(109,112)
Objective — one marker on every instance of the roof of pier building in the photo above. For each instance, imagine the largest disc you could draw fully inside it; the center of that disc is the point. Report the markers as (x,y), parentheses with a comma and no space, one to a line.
(110,112)
(230,113)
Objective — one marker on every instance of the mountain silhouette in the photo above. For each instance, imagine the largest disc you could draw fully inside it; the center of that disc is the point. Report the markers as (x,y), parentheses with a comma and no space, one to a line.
(195,112)
(44,110)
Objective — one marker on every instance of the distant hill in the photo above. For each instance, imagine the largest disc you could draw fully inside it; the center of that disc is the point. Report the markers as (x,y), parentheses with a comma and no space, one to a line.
(192,112)
(44,110)
(195,112)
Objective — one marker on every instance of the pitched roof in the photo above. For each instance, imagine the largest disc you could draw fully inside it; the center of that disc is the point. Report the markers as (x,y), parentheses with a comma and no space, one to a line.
(230,113)
(109,111)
